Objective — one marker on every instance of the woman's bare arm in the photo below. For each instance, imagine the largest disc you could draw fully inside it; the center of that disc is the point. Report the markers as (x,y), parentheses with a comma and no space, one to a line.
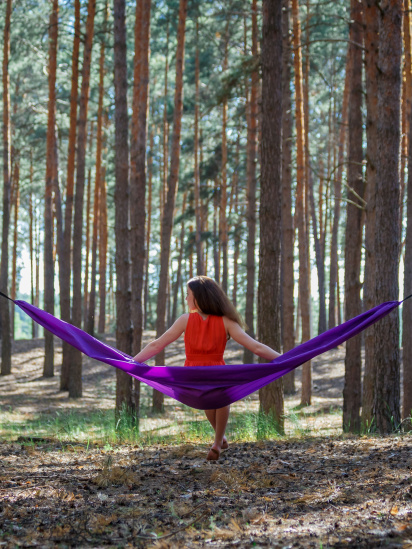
(240,336)
(154,347)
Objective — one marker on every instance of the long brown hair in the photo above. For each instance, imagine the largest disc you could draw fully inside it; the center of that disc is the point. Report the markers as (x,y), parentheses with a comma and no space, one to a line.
(212,300)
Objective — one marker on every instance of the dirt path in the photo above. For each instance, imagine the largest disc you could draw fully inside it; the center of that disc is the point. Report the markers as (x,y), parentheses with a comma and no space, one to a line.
(312,493)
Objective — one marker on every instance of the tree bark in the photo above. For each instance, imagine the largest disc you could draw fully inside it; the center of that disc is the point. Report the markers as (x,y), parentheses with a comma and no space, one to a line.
(165,130)
(288,233)
(406,104)
(269,297)
(48,366)
(31,241)
(91,309)
(138,174)
(407,278)
(16,202)
(138,166)
(223,230)
(167,218)
(304,296)
(371,26)
(353,233)
(337,186)
(147,309)
(124,395)
(198,206)
(320,262)
(57,204)
(87,251)
(181,245)
(4,268)
(75,378)
(216,243)
(234,203)
(386,406)
(65,260)
(103,238)
(251,161)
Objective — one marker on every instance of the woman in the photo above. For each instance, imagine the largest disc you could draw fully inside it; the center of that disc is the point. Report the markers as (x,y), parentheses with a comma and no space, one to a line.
(211,321)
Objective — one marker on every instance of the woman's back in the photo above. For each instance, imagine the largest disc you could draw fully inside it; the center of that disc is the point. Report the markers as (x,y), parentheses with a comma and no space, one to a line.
(205,340)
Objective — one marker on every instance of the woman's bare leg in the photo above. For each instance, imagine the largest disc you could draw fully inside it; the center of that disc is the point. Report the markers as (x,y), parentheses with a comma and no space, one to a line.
(220,418)
(211,416)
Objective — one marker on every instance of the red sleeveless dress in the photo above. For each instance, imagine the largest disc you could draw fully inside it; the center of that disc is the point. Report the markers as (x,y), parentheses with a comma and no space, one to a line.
(205,340)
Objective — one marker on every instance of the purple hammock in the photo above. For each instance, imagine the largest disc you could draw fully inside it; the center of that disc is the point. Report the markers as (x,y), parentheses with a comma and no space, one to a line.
(203,387)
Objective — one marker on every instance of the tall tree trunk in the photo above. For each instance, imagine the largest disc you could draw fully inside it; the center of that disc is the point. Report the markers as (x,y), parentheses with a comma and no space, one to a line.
(4,268)
(337,186)
(91,309)
(167,219)
(103,239)
(304,296)
(407,277)
(16,201)
(87,254)
(205,205)
(165,130)
(198,205)
(177,283)
(48,366)
(216,248)
(65,260)
(147,310)
(37,258)
(138,174)
(406,104)
(31,241)
(103,236)
(57,203)
(165,155)
(234,202)
(386,405)
(138,165)
(317,237)
(287,218)
(371,26)
(223,232)
(75,378)
(353,234)
(252,117)
(308,183)
(269,297)
(124,385)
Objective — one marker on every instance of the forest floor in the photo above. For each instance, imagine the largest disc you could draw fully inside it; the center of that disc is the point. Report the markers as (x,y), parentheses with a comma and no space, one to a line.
(313,488)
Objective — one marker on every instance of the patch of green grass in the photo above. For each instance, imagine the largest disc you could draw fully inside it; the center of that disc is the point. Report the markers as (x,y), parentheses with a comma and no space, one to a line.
(198,429)
(244,426)
(66,425)
(105,427)
(297,428)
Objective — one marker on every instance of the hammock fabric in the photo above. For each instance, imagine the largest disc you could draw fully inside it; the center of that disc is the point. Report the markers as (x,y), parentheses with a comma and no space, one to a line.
(201,387)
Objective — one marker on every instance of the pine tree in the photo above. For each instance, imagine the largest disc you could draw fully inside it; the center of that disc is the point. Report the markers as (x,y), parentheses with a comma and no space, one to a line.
(269,297)
(354,218)
(75,378)
(386,405)
(167,217)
